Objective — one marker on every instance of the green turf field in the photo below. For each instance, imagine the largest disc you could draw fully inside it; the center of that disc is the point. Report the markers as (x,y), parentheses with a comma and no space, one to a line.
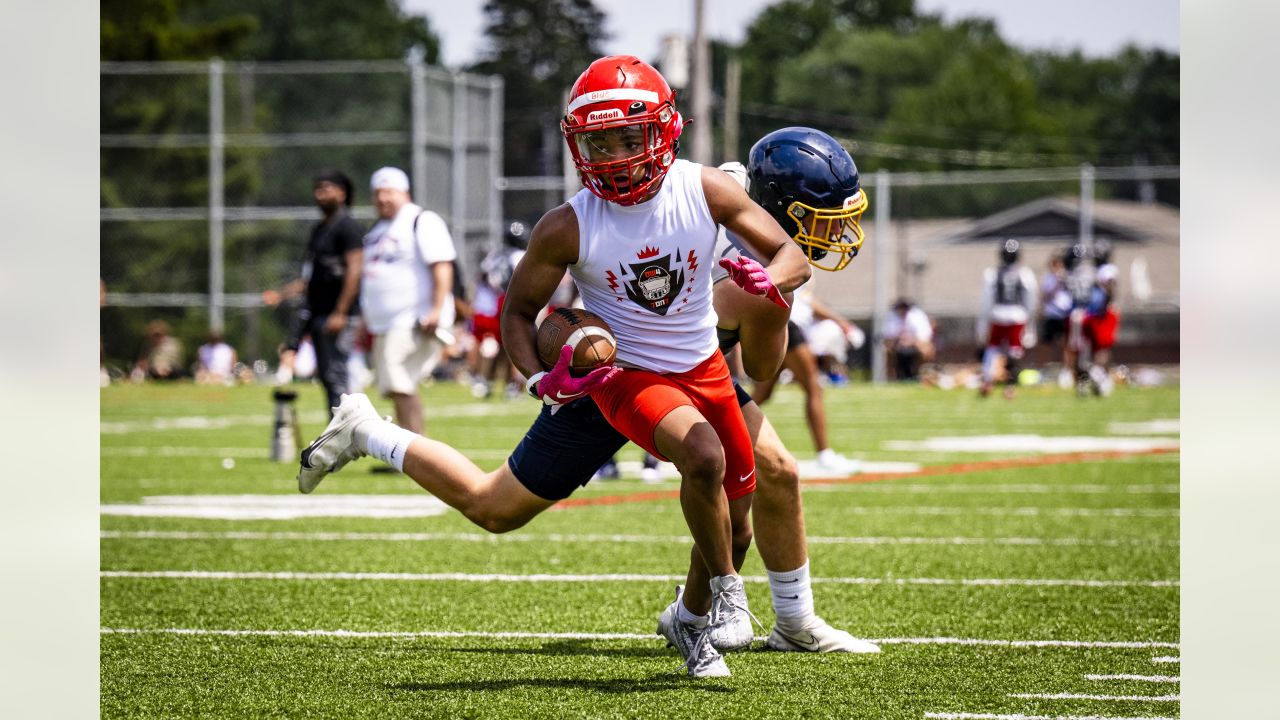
(1045,587)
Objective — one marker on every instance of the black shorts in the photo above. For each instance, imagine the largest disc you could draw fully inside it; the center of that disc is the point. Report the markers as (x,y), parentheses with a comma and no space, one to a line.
(562,451)
(795,336)
(1051,329)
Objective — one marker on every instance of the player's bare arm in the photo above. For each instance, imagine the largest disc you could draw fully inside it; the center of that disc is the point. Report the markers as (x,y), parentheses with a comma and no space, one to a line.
(553,247)
(731,207)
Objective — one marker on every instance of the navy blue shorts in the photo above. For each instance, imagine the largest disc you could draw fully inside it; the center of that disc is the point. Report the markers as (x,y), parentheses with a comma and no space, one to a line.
(562,451)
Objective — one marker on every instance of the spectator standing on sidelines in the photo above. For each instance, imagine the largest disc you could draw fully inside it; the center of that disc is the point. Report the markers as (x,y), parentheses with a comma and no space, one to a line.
(908,338)
(406,293)
(331,271)
(1009,298)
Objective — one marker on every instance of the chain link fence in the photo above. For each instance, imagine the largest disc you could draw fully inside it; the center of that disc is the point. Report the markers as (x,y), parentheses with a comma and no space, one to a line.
(206,180)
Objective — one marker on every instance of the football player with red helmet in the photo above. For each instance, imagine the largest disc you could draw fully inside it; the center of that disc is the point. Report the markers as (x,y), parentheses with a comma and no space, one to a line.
(651,277)
(638,241)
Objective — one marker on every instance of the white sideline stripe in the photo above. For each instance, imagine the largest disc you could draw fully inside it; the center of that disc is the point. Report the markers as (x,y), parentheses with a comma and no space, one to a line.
(1019,716)
(600,538)
(1137,678)
(616,577)
(1164,426)
(1006,489)
(1012,511)
(1117,644)
(246,452)
(280,507)
(1031,443)
(998,716)
(1076,696)
(410,505)
(603,636)
(1166,659)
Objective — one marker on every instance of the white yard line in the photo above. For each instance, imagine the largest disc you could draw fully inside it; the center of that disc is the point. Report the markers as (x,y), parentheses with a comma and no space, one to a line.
(411,505)
(1137,678)
(245,452)
(602,636)
(1005,489)
(1166,659)
(1077,696)
(1011,511)
(1116,644)
(1031,443)
(615,577)
(1019,716)
(602,538)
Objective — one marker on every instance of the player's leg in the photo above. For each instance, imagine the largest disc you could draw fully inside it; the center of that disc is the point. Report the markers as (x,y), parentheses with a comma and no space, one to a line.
(557,455)
(688,440)
(804,367)
(778,518)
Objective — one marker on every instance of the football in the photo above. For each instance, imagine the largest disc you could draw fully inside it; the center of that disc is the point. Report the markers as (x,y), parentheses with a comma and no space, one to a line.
(586,332)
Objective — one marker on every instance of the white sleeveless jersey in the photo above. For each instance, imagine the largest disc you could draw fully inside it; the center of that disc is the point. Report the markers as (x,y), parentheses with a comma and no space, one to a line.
(646,269)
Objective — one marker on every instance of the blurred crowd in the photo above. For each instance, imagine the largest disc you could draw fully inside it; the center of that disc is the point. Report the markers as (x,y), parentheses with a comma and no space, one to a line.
(385,305)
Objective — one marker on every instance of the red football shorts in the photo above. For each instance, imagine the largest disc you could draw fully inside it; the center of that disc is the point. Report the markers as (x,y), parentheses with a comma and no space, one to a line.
(998,335)
(635,402)
(1101,329)
(483,326)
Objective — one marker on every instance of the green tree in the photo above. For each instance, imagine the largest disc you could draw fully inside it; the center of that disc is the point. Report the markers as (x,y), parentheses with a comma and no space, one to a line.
(539,47)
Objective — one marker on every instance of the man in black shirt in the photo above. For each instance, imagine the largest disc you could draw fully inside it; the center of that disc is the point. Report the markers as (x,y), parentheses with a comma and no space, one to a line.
(331,270)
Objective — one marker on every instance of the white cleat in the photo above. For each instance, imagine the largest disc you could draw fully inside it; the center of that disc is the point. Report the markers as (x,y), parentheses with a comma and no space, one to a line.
(336,446)
(831,461)
(730,627)
(815,635)
(701,660)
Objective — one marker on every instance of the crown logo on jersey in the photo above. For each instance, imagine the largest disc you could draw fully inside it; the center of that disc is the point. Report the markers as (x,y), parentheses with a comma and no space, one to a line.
(647,253)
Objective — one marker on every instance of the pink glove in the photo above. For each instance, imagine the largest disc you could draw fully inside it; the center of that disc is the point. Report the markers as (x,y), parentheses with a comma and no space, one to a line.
(752,277)
(558,386)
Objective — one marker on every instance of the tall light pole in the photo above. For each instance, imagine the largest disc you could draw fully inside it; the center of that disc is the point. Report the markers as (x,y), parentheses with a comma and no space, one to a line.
(700,150)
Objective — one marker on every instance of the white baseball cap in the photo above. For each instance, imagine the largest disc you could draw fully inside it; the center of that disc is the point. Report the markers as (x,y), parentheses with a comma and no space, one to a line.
(391,178)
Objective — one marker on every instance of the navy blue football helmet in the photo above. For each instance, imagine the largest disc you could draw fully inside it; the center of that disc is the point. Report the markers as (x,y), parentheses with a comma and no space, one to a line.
(809,184)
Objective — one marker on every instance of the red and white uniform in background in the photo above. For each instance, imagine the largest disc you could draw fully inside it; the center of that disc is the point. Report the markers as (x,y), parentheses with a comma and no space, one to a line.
(646,269)
(1009,298)
(1100,318)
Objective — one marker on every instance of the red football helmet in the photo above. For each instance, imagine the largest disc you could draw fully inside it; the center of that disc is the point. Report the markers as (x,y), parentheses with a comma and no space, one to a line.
(621,126)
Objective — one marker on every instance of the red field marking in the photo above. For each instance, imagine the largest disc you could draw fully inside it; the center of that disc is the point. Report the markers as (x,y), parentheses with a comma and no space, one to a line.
(932,470)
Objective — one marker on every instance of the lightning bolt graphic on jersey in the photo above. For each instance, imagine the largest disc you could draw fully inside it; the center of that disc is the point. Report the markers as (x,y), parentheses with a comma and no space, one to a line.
(613,279)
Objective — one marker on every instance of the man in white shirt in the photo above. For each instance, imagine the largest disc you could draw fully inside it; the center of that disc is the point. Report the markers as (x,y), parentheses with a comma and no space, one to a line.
(406,292)
(908,337)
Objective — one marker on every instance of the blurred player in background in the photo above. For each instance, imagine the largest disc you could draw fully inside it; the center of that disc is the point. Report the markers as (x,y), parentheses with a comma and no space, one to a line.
(491,290)
(568,442)
(1093,325)
(1006,319)
(1055,306)
(406,292)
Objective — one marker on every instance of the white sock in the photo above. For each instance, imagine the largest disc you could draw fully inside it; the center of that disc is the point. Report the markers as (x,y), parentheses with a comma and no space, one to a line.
(792,594)
(685,615)
(386,441)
